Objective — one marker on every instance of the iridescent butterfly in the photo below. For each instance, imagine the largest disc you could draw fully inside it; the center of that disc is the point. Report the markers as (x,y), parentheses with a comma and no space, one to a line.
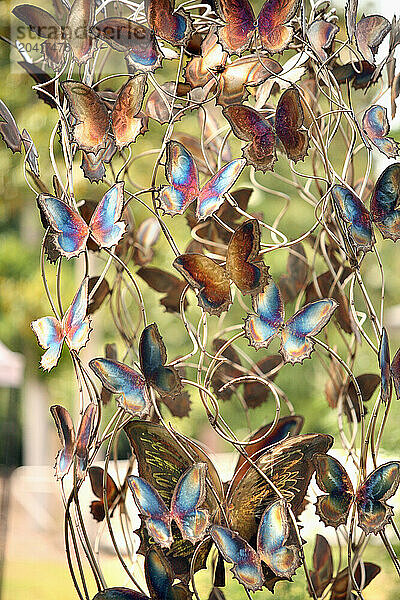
(369,498)
(188,497)
(74,328)
(69,232)
(275,546)
(369,33)
(182,174)
(92,123)
(138,43)
(97,509)
(122,379)
(241,24)
(269,321)
(375,125)
(321,35)
(384,213)
(174,26)
(243,266)
(74,445)
(289,118)
(76,31)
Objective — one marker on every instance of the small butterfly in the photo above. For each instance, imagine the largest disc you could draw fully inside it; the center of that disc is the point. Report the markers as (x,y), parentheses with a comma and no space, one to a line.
(370,497)
(138,43)
(375,125)
(289,118)
(182,174)
(74,328)
(73,445)
(383,210)
(188,496)
(173,26)
(97,509)
(321,35)
(122,379)
(369,33)
(322,573)
(385,367)
(69,232)
(243,266)
(269,321)
(240,24)
(92,123)
(273,534)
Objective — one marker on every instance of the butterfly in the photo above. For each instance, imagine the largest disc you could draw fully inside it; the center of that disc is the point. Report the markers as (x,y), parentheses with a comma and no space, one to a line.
(369,33)
(321,35)
(173,26)
(375,125)
(138,43)
(359,74)
(122,379)
(364,573)
(322,573)
(369,498)
(289,118)
(188,496)
(75,35)
(74,445)
(74,328)
(243,266)
(92,123)
(97,509)
(385,367)
(182,174)
(240,24)
(383,210)
(165,283)
(69,232)
(41,77)
(273,535)
(12,136)
(269,321)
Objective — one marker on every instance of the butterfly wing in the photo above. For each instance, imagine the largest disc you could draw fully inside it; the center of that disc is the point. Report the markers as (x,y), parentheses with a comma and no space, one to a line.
(189,495)
(246,562)
(209,278)
(331,477)
(121,379)
(153,356)
(66,433)
(375,125)
(261,328)
(139,44)
(249,125)
(9,129)
(370,32)
(91,121)
(272,541)
(274,34)
(384,365)
(322,574)
(119,593)
(153,509)
(211,195)
(84,438)
(174,26)
(159,578)
(197,70)
(363,575)
(384,203)
(79,21)
(50,336)
(181,172)
(105,224)
(354,213)
(97,509)
(236,35)
(75,324)
(69,231)
(395,372)
(289,117)
(381,484)
(126,123)
(321,35)
(166,283)
(243,265)
(309,320)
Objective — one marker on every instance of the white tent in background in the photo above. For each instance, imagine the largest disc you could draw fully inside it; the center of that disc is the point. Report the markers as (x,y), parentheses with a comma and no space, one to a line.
(11,368)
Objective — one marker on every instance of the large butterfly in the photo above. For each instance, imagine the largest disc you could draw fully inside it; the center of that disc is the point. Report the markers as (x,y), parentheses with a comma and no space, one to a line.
(275,546)
(237,34)
(243,266)
(369,498)
(174,26)
(92,123)
(69,232)
(74,328)
(122,379)
(73,445)
(375,125)
(269,321)
(76,31)
(188,496)
(138,43)
(182,174)
(384,213)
